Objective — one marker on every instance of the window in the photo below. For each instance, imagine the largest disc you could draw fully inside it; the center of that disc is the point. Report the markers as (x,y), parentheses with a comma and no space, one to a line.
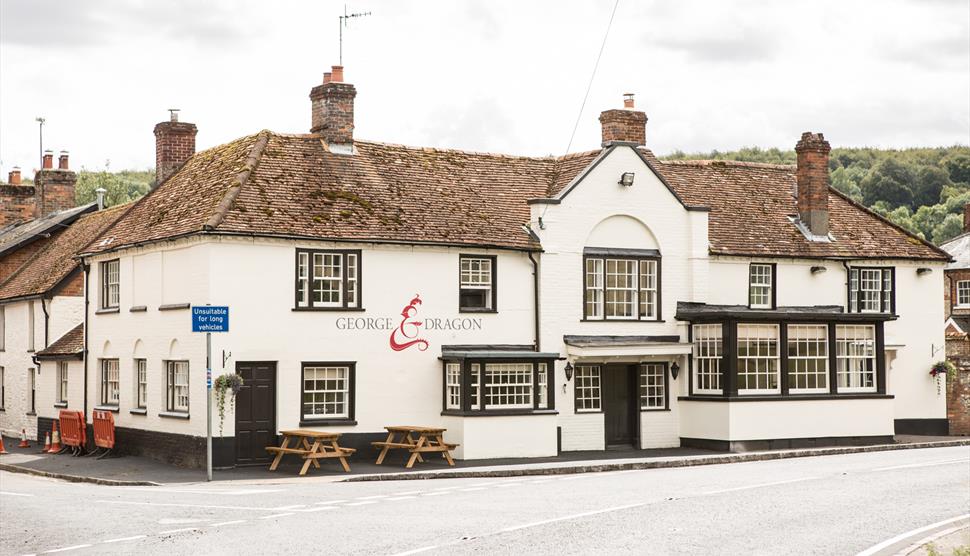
(708,351)
(855,355)
(871,290)
(758,368)
(109,382)
(653,386)
(62,382)
(963,298)
(587,388)
(3,389)
(177,386)
(508,385)
(30,325)
(808,358)
(543,386)
(3,327)
(327,391)
(622,289)
(452,386)
(110,298)
(141,383)
(761,286)
(327,279)
(477,286)
(32,380)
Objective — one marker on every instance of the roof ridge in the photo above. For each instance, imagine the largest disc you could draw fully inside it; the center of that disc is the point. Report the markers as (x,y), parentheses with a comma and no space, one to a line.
(737,163)
(548,158)
(241,178)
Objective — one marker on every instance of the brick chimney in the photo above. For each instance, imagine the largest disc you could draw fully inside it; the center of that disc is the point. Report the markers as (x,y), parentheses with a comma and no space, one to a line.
(333,110)
(14,176)
(54,188)
(625,125)
(174,144)
(812,182)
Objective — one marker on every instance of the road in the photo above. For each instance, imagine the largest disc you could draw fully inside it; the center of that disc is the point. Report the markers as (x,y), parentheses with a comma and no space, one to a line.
(841,504)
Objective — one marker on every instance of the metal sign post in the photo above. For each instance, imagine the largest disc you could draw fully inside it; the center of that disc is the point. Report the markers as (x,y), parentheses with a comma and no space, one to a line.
(209,319)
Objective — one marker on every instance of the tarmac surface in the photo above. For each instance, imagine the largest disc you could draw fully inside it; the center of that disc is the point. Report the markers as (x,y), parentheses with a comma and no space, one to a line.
(838,504)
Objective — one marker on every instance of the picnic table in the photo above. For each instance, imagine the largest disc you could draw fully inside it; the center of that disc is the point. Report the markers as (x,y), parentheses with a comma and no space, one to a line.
(324,445)
(429,439)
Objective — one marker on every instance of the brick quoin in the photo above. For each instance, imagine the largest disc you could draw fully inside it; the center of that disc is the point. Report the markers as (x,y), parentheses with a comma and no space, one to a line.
(332,108)
(626,124)
(812,177)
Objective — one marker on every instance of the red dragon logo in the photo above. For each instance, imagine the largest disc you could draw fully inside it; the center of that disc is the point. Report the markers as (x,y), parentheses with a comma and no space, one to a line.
(405,335)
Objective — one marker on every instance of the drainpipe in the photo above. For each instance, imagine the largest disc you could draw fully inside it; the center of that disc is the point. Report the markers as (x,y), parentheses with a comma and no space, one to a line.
(86,268)
(535,297)
(848,279)
(47,322)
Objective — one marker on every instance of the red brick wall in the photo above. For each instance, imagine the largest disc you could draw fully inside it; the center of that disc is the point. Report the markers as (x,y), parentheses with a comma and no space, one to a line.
(16,203)
(73,287)
(950,291)
(174,144)
(812,177)
(55,190)
(332,112)
(958,398)
(624,125)
(11,262)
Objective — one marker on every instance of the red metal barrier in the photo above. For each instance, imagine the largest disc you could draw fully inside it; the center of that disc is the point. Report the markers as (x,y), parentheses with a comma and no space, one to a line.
(104,429)
(73,431)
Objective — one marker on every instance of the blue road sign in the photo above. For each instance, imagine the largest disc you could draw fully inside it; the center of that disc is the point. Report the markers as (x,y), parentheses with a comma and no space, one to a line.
(208,318)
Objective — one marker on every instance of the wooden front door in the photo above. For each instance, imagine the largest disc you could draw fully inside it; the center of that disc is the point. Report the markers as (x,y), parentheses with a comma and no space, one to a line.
(618,405)
(255,412)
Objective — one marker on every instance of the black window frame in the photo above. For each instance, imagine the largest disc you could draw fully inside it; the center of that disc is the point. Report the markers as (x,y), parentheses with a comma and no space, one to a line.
(494,261)
(467,408)
(633,255)
(882,283)
(104,302)
(61,369)
(104,401)
(773,294)
(33,391)
(170,387)
(666,376)
(351,417)
(138,404)
(344,306)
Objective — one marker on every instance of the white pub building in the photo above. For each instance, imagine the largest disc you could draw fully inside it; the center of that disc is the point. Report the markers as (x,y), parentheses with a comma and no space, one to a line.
(528,305)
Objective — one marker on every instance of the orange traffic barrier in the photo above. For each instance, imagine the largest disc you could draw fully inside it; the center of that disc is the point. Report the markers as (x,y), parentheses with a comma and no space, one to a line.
(2,449)
(104,429)
(47,443)
(55,440)
(72,429)
(23,439)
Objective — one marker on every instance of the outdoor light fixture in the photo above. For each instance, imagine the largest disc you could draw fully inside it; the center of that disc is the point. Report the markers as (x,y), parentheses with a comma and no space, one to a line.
(569,371)
(626,179)
(674,370)
(818,269)
(923,270)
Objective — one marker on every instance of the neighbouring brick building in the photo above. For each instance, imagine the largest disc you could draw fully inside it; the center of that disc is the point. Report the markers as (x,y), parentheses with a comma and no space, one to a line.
(957,327)
(52,191)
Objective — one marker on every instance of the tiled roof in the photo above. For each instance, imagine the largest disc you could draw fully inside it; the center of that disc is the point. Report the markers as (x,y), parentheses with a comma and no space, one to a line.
(21,233)
(751,205)
(292,186)
(959,249)
(71,343)
(52,264)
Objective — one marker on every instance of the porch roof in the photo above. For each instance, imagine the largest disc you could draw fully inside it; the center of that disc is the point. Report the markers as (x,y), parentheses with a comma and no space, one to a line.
(700,312)
(625,347)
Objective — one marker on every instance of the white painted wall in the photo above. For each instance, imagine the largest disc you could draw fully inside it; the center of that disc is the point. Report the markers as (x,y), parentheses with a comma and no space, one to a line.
(47,388)
(500,436)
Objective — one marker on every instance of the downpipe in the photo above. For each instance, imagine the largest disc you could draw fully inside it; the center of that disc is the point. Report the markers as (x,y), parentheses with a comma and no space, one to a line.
(535,298)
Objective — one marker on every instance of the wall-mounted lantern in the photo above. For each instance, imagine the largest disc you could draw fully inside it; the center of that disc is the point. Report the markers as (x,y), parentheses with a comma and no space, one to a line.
(626,180)
(569,371)
(818,269)
(674,370)
(923,270)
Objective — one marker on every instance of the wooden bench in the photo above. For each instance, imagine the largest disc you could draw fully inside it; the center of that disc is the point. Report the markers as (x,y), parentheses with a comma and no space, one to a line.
(429,440)
(324,447)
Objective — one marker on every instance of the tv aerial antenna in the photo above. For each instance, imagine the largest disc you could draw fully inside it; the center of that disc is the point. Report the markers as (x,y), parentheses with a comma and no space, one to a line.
(343,23)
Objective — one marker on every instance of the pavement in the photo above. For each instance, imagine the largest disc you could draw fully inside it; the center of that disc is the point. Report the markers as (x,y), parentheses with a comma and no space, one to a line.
(870,503)
(134,470)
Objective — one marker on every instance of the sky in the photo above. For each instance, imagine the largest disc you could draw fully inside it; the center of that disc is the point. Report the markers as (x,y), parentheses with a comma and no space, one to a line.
(483,75)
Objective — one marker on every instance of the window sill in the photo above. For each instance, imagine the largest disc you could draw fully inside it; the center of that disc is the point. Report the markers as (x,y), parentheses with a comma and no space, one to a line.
(138,411)
(653,409)
(138,309)
(498,412)
(588,411)
(173,415)
(788,398)
(30,414)
(60,405)
(331,309)
(622,320)
(478,311)
(328,422)
(111,408)
(174,306)
(107,310)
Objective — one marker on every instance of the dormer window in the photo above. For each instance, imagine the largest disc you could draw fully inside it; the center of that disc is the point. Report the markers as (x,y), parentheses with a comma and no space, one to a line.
(761,286)
(871,290)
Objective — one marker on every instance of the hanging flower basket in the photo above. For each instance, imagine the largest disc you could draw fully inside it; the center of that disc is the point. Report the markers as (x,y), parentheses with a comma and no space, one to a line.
(227,383)
(942,368)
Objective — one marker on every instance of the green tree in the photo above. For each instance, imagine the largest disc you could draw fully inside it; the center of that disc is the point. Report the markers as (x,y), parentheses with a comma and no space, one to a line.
(930,181)
(957,165)
(121,187)
(951,227)
(927,218)
(847,181)
(890,181)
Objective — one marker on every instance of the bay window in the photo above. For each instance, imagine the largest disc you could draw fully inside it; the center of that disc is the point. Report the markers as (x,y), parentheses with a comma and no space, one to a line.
(758,366)
(327,280)
(808,358)
(622,287)
(855,356)
(497,386)
(708,351)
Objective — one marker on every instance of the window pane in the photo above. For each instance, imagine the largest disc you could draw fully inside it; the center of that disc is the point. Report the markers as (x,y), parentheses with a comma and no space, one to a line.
(594,288)
(508,385)
(760,285)
(808,358)
(652,395)
(708,351)
(648,289)
(453,386)
(587,387)
(621,288)
(758,370)
(543,386)
(326,392)
(303,279)
(856,358)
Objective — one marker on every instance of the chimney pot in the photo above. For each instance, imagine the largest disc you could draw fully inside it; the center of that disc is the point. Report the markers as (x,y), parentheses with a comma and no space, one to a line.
(326,77)
(14,176)
(48,160)
(62,161)
(626,125)
(174,145)
(812,182)
(337,74)
(628,100)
